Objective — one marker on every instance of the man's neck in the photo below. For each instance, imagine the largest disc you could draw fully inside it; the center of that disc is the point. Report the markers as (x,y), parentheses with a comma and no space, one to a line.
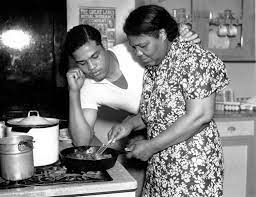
(116,76)
(114,69)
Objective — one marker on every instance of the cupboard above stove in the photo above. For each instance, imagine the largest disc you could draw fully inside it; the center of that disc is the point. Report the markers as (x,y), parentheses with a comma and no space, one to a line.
(226,27)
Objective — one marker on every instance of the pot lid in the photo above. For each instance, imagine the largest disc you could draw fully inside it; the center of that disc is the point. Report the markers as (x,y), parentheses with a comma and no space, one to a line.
(33,120)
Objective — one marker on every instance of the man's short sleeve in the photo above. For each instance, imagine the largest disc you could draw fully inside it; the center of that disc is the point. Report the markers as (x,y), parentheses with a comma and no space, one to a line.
(88,99)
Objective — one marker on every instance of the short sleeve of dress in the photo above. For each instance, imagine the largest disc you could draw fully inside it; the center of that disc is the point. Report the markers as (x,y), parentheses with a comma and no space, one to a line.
(203,73)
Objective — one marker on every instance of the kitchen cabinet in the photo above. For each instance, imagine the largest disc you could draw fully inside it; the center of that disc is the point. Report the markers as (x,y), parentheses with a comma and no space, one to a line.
(212,17)
(239,143)
(226,27)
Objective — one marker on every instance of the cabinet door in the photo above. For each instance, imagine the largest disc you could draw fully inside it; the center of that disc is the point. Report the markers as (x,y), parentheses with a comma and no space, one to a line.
(238,139)
(235,170)
(226,27)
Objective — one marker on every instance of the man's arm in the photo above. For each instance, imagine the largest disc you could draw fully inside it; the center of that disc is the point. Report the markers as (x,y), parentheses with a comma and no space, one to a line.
(81,121)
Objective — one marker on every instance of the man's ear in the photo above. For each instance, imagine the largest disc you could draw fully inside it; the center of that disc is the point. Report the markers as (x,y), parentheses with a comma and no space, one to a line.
(162,34)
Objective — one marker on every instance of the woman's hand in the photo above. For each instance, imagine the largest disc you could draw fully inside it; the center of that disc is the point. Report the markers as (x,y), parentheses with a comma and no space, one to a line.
(140,149)
(119,131)
(75,78)
(188,35)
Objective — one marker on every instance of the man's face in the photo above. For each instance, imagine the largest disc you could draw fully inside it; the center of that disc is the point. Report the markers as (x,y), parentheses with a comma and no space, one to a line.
(149,49)
(92,59)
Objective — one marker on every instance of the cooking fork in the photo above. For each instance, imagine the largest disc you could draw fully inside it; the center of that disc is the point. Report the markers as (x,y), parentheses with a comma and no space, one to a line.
(104,147)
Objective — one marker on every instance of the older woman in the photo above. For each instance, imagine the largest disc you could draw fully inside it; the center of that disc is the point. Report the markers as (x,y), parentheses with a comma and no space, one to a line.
(183,148)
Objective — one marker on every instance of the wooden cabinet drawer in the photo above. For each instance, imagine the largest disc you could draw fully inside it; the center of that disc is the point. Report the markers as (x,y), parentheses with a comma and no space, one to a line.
(235,128)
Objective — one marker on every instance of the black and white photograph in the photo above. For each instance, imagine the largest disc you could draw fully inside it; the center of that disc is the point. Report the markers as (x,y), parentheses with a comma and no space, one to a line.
(128,98)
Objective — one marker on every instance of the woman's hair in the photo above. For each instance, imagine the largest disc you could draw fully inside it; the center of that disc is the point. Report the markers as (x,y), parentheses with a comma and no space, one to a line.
(148,20)
(79,35)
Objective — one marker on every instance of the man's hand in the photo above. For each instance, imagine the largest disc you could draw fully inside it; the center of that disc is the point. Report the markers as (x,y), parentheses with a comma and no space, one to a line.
(188,35)
(75,78)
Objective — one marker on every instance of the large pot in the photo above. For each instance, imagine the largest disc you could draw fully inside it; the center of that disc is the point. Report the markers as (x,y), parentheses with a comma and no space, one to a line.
(16,157)
(78,165)
(45,132)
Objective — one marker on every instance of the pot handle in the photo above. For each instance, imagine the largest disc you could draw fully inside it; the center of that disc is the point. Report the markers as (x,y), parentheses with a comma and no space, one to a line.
(20,129)
(33,111)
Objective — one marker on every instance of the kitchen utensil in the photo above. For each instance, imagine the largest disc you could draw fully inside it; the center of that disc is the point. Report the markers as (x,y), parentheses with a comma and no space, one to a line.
(16,157)
(45,132)
(104,147)
(78,165)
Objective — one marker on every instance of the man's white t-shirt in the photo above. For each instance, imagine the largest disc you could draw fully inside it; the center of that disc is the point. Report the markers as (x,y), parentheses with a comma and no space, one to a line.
(95,94)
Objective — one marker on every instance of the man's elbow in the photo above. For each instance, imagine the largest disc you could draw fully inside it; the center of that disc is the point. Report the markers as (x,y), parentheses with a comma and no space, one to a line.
(82,139)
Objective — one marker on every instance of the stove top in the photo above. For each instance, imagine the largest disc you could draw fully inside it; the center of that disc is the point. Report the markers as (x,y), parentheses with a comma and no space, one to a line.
(56,174)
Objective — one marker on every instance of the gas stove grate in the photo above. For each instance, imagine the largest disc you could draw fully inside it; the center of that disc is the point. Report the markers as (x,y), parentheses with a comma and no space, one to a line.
(54,175)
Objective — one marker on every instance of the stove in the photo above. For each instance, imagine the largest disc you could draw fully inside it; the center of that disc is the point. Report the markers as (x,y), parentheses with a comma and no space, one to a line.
(56,174)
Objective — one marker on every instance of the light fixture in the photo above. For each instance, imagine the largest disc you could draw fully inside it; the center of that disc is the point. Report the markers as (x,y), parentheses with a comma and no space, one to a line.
(16,39)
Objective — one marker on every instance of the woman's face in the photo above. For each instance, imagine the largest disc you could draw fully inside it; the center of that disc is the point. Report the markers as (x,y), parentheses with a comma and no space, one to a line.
(92,59)
(150,50)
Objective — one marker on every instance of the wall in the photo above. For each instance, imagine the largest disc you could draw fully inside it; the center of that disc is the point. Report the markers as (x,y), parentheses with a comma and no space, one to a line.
(243,78)
(123,9)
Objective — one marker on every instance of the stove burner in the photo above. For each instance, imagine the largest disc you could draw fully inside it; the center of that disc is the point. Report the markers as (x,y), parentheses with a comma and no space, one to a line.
(56,174)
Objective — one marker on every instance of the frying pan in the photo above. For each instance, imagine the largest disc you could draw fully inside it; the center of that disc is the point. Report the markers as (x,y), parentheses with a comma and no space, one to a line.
(79,165)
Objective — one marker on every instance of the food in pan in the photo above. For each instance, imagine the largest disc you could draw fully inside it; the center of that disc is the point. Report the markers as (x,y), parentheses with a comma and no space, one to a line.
(89,154)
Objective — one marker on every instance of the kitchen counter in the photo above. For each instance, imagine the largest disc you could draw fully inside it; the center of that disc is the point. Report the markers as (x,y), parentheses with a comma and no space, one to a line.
(122,185)
(235,115)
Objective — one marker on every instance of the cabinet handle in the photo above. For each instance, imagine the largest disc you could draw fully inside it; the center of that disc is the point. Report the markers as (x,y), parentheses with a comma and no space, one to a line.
(231,129)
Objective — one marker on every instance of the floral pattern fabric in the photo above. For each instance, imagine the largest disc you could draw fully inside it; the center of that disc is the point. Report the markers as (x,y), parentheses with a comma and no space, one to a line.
(192,168)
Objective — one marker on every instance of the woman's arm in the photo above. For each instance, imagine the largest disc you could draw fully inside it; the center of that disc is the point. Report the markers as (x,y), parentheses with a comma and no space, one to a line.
(198,113)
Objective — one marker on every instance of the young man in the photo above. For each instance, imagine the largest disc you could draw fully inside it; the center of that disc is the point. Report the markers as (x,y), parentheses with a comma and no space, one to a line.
(110,77)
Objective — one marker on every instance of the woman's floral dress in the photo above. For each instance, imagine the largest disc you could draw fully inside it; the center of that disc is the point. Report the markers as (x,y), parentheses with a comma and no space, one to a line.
(193,168)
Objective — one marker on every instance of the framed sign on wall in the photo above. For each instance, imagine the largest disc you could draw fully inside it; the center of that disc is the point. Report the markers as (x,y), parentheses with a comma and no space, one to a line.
(103,19)
(107,16)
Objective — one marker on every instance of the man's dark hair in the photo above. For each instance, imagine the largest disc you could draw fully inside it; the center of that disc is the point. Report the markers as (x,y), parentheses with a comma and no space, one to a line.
(79,35)
(148,20)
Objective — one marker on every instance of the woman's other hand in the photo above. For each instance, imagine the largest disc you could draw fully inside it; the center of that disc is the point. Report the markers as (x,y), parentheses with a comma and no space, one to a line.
(119,131)
(75,78)
(188,35)
(140,149)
